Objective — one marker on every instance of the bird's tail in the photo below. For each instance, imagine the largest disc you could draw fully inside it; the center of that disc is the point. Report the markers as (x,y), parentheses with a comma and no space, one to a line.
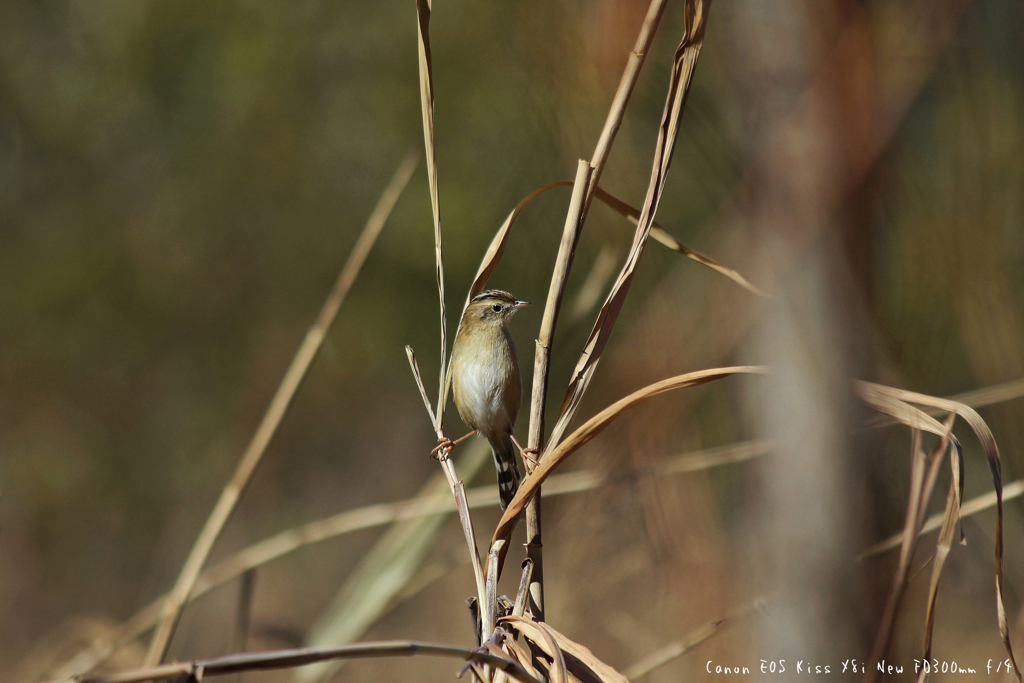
(508,470)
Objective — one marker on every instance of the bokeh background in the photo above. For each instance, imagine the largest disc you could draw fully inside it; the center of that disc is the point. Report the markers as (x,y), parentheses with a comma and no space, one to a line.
(181,181)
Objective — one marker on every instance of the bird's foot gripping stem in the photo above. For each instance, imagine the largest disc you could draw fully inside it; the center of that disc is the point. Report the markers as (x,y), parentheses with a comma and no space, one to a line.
(446,446)
(529,462)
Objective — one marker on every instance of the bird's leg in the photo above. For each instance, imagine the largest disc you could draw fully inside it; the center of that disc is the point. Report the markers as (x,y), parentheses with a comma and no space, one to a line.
(529,462)
(446,445)
(443,445)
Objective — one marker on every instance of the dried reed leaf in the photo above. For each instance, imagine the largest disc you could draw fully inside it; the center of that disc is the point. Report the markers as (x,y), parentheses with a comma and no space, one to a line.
(971,507)
(595,426)
(520,655)
(988,444)
(976,398)
(382,573)
(945,541)
(679,84)
(426,70)
(663,656)
(497,247)
(581,662)
(659,234)
(540,634)
(885,401)
(923,474)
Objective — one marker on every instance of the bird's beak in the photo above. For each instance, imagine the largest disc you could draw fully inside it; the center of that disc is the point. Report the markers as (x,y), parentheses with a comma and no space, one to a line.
(520,304)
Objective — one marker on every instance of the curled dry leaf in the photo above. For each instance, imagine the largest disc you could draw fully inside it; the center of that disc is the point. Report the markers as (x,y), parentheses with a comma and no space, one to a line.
(595,426)
(882,399)
(517,653)
(580,662)
(879,396)
(540,634)
(923,475)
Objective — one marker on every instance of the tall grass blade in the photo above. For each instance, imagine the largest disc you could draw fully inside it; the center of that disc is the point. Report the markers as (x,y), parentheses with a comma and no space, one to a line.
(282,399)
(426,70)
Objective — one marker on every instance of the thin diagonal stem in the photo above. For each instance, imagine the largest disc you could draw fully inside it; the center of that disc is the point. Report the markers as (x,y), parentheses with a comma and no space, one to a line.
(304,357)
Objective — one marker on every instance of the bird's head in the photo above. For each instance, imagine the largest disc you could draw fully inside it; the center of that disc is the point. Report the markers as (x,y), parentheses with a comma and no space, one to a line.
(494,307)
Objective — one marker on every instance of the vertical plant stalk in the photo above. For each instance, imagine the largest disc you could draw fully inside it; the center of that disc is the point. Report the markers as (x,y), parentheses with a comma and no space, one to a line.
(923,475)
(491,608)
(423,8)
(243,615)
(534,544)
(684,62)
(304,357)
(556,290)
(622,94)
(519,608)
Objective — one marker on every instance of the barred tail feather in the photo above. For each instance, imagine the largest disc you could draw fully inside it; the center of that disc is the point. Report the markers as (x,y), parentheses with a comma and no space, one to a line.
(508,470)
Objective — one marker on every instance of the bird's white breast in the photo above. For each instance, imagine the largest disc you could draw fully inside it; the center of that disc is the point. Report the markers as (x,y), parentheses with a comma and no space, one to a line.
(488,386)
(482,385)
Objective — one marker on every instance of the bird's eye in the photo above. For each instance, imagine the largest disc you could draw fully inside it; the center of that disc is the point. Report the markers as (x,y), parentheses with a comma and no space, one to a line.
(496,308)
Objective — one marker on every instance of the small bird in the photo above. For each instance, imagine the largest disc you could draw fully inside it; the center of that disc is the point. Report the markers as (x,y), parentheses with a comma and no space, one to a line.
(485,380)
